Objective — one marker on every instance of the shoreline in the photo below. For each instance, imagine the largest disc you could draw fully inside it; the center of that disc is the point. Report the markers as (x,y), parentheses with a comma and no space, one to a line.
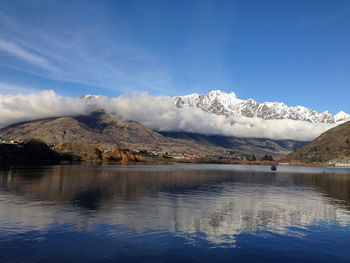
(167,161)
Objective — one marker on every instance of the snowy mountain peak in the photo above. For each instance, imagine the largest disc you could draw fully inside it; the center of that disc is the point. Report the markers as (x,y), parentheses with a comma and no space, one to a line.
(341,116)
(219,93)
(89,97)
(227,104)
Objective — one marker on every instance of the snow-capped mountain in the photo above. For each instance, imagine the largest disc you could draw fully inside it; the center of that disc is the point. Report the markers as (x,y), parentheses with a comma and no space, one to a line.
(227,104)
(89,97)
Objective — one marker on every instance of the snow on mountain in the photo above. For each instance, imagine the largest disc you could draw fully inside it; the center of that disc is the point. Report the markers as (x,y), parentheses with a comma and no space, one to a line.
(341,116)
(90,97)
(163,113)
(227,104)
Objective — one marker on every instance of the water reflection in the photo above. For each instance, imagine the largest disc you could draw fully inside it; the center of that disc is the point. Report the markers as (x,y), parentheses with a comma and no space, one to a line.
(192,201)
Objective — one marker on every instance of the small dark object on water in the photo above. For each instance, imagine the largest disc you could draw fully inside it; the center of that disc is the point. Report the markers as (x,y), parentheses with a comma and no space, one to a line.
(273,168)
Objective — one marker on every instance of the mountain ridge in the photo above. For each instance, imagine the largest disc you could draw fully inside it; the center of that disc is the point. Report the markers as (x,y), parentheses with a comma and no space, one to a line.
(229,105)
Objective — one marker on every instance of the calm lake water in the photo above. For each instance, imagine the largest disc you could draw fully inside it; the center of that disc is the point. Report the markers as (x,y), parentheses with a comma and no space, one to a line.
(175,213)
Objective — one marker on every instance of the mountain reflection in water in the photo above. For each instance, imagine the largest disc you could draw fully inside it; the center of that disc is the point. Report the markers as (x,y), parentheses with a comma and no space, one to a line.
(212,203)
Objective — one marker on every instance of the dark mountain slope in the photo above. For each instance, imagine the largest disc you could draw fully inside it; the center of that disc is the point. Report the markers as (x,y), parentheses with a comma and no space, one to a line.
(257,146)
(334,144)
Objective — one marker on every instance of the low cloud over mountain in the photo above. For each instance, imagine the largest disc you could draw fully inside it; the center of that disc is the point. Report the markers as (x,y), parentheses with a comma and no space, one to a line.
(156,112)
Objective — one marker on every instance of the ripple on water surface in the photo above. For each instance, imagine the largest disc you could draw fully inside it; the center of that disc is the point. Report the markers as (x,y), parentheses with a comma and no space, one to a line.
(173,213)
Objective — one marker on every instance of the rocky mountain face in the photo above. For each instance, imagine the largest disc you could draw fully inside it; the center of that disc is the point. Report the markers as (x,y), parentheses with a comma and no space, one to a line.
(227,104)
(101,129)
(333,145)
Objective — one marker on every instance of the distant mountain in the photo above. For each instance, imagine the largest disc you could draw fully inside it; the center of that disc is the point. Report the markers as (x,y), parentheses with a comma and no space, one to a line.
(227,104)
(257,146)
(333,145)
(102,129)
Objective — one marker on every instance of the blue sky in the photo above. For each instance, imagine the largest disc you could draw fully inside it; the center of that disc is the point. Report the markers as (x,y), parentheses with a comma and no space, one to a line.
(297,52)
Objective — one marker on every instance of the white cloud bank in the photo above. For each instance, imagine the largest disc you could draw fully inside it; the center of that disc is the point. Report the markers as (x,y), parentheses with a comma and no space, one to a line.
(158,113)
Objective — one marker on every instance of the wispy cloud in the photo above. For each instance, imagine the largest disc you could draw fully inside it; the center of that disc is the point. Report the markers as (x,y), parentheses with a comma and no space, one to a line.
(85,54)
(30,57)
(156,112)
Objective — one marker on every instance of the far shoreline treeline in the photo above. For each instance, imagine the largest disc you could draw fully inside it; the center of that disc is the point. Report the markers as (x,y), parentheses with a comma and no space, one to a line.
(35,151)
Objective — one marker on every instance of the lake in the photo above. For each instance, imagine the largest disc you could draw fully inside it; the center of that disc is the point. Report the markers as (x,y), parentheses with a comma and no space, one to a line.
(174,213)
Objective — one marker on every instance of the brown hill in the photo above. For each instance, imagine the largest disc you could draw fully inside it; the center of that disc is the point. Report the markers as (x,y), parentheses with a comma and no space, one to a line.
(101,129)
(332,145)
